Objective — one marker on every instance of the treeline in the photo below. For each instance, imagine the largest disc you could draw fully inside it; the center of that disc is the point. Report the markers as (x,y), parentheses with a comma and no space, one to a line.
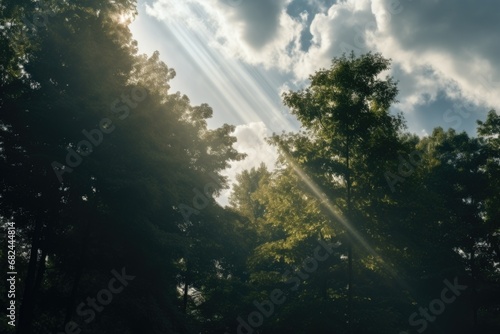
(109,181)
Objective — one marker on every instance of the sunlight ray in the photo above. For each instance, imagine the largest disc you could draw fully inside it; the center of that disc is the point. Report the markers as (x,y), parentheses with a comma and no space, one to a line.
(324,200)
(222,71)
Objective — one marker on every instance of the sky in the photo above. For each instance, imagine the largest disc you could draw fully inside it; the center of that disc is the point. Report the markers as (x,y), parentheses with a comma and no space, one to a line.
(239,56)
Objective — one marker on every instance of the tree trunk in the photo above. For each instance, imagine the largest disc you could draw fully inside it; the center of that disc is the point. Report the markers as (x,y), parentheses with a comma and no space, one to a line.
(349,292)
(41,270)
(78,275)
(28,303)
(475,298)
(349,239)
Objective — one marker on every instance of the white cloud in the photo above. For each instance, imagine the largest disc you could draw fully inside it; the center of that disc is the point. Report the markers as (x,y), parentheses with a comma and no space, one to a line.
(277,51)
(251,140)
(447,38)
(335,32)
(257,31)
(420,37)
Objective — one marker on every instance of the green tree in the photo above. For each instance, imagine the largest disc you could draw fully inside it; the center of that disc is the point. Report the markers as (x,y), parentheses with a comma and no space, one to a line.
(243,196)
(349,138)
(116,202)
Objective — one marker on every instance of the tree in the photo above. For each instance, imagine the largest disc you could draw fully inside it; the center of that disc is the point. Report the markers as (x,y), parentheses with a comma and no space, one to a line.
(349,137)
(243,196)
(136,152)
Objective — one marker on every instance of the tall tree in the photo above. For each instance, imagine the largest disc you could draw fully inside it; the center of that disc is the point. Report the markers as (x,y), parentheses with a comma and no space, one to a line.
(98,158)
(349,137)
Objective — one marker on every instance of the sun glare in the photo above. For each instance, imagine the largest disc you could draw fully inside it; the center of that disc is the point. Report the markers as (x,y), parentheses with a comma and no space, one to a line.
(124,18)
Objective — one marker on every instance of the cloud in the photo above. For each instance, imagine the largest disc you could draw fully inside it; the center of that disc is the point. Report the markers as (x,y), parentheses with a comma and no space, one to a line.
(257,31)
(260,20)
(439,49)
(251,140)
(446,42)
(341,29)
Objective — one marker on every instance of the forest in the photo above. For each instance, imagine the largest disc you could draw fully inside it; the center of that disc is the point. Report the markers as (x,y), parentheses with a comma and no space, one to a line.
(109,186)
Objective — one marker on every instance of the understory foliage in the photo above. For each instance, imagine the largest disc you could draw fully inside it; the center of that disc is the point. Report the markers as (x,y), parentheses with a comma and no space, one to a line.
(105,171)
